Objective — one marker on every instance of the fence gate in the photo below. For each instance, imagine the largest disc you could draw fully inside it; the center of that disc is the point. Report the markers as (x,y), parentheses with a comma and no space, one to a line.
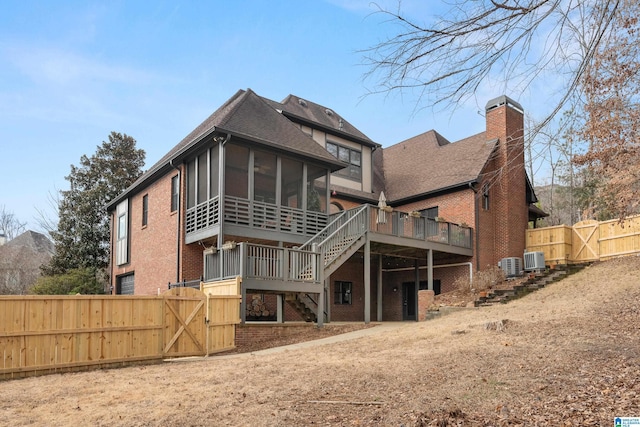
(584,241)
(185,330)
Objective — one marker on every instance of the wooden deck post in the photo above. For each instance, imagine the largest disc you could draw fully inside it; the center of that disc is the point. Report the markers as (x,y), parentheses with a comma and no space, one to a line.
(416,287)
(430,269)
(367,281)
(379,296)
(280,308)
(320,317)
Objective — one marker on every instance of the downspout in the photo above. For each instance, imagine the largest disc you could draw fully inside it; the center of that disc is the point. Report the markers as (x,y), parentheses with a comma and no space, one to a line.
(221,185)
(178,229)
(476,224)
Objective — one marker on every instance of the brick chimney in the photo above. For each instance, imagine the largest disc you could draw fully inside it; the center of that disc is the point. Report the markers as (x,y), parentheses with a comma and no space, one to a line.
(507,179)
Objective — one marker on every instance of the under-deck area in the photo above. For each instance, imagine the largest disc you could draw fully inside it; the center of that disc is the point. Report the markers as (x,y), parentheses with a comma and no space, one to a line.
(380,238)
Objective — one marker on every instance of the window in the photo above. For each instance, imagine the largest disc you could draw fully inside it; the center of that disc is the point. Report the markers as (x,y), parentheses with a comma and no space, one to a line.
(145,209)
(342,292)
(485,197)
(175,193)
(350,156)
(124,285)
(121,224)
(431,213)
(122,227)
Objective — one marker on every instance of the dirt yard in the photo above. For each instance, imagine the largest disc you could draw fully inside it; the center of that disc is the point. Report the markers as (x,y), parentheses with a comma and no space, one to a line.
(567,355)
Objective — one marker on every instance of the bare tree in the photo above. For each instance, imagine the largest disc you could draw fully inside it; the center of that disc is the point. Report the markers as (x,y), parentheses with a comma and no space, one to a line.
(612,116)
(508,41)
(10,225)
(47,219)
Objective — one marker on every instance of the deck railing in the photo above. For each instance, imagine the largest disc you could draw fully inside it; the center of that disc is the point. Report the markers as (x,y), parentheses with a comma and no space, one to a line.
(262,262)
(256,214)
(403,224)
(304,264)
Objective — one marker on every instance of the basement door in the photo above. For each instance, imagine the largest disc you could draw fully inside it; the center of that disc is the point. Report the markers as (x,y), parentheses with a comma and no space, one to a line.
(409,301)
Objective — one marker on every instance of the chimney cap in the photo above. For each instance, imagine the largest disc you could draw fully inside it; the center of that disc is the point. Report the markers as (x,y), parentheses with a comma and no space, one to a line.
(503,100)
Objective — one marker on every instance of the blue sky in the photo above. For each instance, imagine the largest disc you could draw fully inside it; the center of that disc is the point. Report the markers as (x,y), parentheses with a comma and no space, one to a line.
(71,72)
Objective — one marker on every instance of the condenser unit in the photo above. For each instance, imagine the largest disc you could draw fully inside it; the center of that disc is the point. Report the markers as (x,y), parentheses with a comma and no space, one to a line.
(534,261)
(512,266)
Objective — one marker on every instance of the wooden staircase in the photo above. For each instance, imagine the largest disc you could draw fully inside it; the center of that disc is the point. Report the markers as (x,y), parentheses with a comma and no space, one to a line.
(336,243)
(533,283)
(304,305)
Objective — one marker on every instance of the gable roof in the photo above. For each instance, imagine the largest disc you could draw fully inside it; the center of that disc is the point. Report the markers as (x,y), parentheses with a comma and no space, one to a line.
(443,165)
(247,116)
(304,111)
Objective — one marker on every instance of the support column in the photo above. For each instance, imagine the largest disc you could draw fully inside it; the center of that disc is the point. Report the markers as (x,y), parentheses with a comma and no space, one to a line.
(430,269)
(327,299)
(243,304)
(367,281)
(416,288)
(320,322)
(280,308)
(379,287)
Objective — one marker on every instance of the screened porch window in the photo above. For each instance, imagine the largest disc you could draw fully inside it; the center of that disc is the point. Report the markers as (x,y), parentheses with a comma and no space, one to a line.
(202,179)
(265,167)
(291,183)
(236,170)
(316,189)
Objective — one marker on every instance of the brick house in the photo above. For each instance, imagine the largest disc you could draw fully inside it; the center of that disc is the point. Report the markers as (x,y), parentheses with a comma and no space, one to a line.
(321,222)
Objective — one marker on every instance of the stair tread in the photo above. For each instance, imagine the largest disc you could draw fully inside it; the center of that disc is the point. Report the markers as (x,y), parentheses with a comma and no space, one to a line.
(539,281)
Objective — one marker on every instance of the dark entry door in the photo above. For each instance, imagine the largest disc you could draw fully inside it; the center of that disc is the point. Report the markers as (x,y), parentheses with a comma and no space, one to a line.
(409,301)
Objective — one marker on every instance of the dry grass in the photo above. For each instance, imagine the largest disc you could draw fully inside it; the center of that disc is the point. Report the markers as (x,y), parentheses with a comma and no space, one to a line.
(565,355)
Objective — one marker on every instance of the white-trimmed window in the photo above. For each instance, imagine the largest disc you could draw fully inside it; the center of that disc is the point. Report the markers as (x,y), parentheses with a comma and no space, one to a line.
(122,233)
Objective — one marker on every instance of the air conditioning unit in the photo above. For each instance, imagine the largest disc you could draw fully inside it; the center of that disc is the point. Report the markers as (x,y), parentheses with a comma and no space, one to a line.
(512,266)
(534,261)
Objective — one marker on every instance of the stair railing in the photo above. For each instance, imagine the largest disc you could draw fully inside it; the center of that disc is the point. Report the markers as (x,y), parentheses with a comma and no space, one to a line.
(343,237)
(336,223)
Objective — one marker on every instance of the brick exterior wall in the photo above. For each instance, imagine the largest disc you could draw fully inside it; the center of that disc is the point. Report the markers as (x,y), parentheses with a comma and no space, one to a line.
(353,271)
(500,231)
(458,207)
(508,218)
(152,255)
(425,300)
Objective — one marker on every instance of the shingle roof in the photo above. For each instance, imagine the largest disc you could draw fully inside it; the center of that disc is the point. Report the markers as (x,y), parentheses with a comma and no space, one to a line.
(252,118)
(299,108)
(249,116)
(32,240)
(440,164)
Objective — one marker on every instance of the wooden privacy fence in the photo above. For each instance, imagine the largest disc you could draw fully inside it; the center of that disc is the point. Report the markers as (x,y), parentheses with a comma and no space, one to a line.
(586,241)
(50,333)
